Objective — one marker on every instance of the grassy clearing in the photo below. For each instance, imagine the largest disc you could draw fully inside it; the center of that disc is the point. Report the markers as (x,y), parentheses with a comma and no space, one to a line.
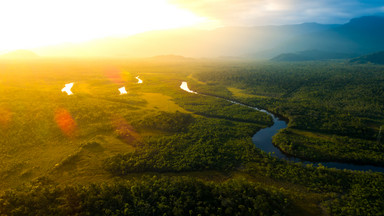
(44,130)
(239,93)
(160,102)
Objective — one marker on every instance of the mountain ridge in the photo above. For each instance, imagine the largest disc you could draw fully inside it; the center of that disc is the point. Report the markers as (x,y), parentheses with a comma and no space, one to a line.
(375,58)
(250,42)
(21,53)
(313,55)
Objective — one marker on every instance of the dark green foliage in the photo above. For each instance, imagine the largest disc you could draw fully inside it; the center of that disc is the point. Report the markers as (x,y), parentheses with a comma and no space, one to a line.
(147,196)
(357,193)
(329,98)
(208,144)
(210,106)
(39,198)
(366,197)
(335,148)
(319,179)
(170,122)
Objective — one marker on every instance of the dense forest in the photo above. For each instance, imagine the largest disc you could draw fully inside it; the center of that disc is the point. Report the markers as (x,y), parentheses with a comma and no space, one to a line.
(334,106)
(162,151)
(147,196)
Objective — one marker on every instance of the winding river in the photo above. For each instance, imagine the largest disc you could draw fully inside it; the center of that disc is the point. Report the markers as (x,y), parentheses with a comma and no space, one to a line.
(263,140)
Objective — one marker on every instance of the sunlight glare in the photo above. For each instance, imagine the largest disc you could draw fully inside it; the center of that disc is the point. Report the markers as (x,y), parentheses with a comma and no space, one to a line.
(67,88)
(31,24)
(184,86)
(123,91)
(139,80)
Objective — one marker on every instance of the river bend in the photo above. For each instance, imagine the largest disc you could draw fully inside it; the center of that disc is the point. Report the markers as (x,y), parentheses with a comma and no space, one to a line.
(263,140)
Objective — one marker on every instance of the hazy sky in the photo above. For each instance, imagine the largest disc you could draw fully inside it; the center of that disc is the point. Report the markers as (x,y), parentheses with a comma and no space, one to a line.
(277,12)
(32,23)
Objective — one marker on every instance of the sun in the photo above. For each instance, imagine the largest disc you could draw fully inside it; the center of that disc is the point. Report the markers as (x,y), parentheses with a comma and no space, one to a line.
(29,24)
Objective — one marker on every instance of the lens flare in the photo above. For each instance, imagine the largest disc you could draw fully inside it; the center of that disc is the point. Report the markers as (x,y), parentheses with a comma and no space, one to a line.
(67,88)
(114,75)
(65,122)
(5,117)
(184,86)
(124,130)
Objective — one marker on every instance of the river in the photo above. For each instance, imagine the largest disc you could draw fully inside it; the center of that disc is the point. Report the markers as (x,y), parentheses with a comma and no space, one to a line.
(263,140)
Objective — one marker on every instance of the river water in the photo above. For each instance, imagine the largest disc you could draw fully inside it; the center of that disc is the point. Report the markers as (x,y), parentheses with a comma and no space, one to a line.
(263,140)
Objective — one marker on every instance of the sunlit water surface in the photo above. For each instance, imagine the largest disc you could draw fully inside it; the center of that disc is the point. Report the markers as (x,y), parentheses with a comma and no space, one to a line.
(184,86)
(123,91)
(67,88)
(139,80)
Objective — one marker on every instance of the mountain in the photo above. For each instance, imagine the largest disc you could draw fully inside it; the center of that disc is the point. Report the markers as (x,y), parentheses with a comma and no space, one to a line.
(20,54)
(228,41)
(291,57)
(171,58)
(375,58)
(312,55)
(360,35)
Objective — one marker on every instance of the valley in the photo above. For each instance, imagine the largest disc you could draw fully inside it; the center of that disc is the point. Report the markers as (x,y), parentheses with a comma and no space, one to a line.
(70,152)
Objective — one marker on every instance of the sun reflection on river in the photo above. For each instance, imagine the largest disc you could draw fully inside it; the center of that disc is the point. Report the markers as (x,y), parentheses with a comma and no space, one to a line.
(67,88)
(123,91)
(139,80)
(184,86)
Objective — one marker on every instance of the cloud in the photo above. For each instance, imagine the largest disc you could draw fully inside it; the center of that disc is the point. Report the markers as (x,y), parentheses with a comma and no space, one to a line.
(267,12)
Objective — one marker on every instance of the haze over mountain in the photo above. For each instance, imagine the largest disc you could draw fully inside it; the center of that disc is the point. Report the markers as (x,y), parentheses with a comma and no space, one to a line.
(375,58)
(360,35)
(20,54)
(313,55)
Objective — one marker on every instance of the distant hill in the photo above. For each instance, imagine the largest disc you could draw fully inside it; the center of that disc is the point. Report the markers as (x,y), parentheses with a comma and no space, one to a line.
(170,58)
(312,55)
(291,57)
(360,35)
(20,54)
(227,41)
(375,58)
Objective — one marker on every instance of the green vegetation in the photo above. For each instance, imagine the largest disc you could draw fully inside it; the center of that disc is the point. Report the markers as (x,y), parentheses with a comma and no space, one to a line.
(317,147)
(147,196)
(343,103)
(170,122)
(206,145)
(162,151)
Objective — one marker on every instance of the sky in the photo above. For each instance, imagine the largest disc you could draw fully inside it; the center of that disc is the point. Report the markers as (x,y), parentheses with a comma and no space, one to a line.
(280,12)
(34,23)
